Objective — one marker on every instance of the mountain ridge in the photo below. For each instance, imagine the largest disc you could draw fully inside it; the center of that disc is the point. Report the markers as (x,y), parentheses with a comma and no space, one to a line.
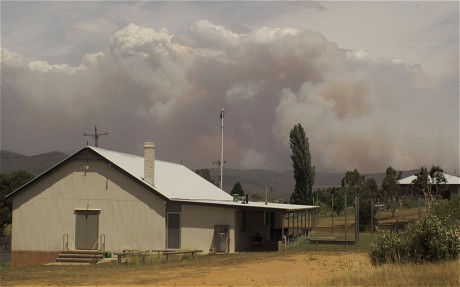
(253,181)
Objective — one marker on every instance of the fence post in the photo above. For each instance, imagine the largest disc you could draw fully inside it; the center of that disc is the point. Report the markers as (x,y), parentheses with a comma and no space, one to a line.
(356,218)
(372,217)
(346,227)
(332,213)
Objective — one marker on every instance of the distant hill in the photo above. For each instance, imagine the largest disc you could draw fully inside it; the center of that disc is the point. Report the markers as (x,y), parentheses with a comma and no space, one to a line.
(35,164)
(253,181)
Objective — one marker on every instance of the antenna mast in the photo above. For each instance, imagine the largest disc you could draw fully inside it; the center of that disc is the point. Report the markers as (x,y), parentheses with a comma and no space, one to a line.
(222,149)
(95,136)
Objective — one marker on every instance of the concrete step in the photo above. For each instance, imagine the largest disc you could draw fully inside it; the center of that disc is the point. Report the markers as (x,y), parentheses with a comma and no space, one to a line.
(79,256)
(77,260)
(82,252)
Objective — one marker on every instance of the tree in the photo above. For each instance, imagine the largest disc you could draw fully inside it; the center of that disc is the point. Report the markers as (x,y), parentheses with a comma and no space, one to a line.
(204,173)
(353,182)
(237,189)
(431,183)
(304,172)
(438,179)
(339,201)
(371,187)
(391,189)
(9,182)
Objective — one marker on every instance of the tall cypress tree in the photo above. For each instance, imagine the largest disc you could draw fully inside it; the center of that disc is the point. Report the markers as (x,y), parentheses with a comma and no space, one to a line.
(304,172)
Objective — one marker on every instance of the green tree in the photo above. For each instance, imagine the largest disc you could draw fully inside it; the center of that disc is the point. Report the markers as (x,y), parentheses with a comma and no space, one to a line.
(353,182)
(371,187)
(237,189)
(304,172)
(204,173)
(339,200)
(9,182)
(391,189)
(430,183)
(438,180)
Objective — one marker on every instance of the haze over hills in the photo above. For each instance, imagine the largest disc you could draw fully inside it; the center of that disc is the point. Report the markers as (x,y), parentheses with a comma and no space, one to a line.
(35,164)
(253,181)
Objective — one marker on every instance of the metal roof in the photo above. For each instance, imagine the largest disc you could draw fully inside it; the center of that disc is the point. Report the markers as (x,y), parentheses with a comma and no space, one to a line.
(451,179)
(255,205)
(171,181)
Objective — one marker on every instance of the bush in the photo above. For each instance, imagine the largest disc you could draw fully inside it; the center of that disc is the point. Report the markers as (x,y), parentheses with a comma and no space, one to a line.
(398,225)
(448,208)
(425,240)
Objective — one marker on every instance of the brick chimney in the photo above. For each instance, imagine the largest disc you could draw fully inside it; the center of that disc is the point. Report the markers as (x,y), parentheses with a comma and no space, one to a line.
(149,162)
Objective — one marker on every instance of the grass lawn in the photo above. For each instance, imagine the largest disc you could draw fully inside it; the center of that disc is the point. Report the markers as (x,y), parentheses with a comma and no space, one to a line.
(363,245)
(384,216)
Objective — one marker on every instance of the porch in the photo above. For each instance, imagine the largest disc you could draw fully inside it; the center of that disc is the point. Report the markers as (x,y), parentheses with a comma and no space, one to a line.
(270,229)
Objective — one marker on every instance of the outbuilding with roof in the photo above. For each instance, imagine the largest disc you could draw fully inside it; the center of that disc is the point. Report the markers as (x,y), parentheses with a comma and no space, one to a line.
(98,199)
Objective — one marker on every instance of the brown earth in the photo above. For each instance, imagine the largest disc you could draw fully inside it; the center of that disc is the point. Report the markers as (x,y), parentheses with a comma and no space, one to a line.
(275,269)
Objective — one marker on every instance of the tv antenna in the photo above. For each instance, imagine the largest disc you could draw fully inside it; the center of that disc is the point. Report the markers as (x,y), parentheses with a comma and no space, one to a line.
(96,136)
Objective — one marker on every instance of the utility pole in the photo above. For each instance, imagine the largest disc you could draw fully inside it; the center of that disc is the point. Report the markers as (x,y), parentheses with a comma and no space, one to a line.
(271,187)
(219,164)
(222,149)
(95,136)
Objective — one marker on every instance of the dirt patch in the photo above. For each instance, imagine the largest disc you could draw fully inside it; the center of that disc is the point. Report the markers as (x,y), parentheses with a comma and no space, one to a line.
(299,269)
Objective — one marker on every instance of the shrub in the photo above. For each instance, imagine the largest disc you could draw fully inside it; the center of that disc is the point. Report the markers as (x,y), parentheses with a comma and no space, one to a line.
(448,208)
(425,240)
(398,225)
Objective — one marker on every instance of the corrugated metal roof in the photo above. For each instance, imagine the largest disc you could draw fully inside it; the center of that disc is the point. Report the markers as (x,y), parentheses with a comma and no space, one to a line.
(451,179)
(178,183)
(172,180)
(256,205)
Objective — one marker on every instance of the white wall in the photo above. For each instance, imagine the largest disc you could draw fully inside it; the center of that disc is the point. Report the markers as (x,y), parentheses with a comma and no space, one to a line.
(198,223)
(131,216)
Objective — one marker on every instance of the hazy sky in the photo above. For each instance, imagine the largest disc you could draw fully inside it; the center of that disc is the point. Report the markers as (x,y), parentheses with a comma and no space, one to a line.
(373,83)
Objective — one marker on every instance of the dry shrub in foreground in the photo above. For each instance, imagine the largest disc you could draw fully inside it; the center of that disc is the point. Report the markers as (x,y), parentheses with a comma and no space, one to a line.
(445,273)
(429,239)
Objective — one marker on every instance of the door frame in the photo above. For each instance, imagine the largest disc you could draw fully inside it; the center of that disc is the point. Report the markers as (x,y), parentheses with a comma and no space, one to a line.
(87,212)
(167,229)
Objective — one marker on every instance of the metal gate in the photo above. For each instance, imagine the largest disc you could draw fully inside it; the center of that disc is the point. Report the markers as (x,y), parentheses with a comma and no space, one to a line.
(86,229)
(173,233)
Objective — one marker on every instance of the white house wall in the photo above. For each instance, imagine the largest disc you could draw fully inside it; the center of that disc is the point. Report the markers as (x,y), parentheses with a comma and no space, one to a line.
(198,223)
(131,217)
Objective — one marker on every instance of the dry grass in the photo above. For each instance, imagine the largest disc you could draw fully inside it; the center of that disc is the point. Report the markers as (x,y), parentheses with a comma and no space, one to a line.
(300,268)
(438,274)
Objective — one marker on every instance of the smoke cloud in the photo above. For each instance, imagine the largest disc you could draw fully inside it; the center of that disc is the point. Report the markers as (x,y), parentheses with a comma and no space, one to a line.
(359,111)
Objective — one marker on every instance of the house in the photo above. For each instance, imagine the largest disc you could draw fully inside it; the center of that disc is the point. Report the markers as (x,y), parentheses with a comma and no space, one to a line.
(107,200)
(453,185)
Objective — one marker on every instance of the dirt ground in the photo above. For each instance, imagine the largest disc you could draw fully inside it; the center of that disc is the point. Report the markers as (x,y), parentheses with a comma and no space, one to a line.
(297,269)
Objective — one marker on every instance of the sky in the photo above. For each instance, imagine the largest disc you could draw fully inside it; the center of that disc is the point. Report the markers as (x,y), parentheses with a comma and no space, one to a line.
(373,84)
